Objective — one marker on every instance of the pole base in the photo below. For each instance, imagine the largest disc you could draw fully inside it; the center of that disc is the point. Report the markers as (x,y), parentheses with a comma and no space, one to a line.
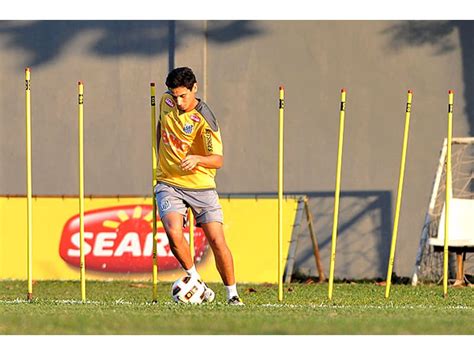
(29,296)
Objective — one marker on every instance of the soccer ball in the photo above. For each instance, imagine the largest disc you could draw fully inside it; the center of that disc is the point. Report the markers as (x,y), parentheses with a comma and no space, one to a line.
(188,289)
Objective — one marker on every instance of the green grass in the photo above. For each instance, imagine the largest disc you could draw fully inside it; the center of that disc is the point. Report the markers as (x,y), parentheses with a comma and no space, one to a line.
(123,307)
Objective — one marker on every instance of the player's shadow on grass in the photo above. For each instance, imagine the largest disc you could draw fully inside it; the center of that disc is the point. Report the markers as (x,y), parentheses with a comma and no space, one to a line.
(44,41)
(438,34)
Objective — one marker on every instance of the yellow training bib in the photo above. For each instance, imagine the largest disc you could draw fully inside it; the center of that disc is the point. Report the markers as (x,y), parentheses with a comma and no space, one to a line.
(187,133)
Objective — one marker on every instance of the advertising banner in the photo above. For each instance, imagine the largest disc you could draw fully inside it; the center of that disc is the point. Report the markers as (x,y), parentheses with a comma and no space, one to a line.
(118,240)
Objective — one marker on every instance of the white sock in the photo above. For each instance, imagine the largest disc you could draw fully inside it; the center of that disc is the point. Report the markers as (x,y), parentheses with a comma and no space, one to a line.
(193,272)
(231,291)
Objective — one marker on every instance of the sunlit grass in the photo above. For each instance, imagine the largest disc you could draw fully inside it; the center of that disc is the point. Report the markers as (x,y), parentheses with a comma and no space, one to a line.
(122,307)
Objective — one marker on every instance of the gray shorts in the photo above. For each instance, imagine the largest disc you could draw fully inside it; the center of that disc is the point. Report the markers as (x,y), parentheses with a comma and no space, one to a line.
(204,203)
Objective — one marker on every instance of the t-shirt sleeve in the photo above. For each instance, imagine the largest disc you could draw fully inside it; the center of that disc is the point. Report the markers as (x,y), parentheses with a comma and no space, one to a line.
(212,141)
(167,104)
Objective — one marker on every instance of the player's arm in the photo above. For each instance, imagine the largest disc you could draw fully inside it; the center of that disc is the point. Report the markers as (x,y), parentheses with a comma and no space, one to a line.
(212,161)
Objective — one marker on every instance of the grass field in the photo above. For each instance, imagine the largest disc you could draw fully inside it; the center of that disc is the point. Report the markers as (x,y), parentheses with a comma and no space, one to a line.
(124,307)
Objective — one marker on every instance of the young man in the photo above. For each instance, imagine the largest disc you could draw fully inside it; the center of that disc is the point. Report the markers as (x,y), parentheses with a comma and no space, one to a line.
(189,152)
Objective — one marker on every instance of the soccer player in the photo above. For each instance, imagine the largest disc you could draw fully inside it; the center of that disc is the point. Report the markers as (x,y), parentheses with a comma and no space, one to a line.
(189,152)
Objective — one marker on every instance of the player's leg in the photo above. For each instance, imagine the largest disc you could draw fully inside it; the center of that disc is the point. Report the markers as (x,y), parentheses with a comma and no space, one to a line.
(173,225)
(222,255)
(172,210)
(224,261)
(208,212)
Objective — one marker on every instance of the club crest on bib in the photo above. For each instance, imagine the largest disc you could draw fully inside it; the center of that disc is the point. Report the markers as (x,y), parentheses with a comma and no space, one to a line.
(169,102)
(188,128)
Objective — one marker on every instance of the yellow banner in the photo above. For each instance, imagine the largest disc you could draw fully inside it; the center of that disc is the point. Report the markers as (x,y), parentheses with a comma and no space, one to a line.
(118,239)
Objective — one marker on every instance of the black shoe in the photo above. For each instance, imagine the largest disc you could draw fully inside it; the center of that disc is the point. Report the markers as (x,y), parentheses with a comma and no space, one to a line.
(235,301)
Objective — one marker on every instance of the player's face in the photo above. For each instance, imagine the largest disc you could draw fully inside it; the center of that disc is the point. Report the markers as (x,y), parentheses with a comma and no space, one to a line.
(185,98)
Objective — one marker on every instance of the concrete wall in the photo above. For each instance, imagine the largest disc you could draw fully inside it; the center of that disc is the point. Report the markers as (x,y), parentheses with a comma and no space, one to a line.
(240,65)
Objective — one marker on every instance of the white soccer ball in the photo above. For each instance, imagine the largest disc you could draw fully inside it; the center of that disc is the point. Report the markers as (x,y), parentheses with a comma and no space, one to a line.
(188,289)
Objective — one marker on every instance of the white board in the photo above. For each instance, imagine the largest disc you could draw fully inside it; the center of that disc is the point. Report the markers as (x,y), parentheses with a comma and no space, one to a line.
(461,224)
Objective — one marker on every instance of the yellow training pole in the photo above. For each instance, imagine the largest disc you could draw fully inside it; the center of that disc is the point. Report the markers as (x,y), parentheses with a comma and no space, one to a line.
(191,232)
(80,87)
(399,194)
(280,194)
(336,195)
(154,167)
(448,192)
(29,209)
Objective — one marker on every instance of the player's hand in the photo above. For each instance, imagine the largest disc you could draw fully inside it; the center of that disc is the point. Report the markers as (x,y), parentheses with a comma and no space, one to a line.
(190,162)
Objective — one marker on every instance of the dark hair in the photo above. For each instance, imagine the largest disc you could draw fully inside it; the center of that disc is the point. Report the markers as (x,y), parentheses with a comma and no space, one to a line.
(179,77)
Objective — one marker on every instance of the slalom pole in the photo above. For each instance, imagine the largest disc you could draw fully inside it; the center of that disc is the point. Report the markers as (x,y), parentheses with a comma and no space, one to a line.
(29,209)
(153,168)
(80,86)
(399,194)
(448,191)
(280,193)
(191,232)
(337,192)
